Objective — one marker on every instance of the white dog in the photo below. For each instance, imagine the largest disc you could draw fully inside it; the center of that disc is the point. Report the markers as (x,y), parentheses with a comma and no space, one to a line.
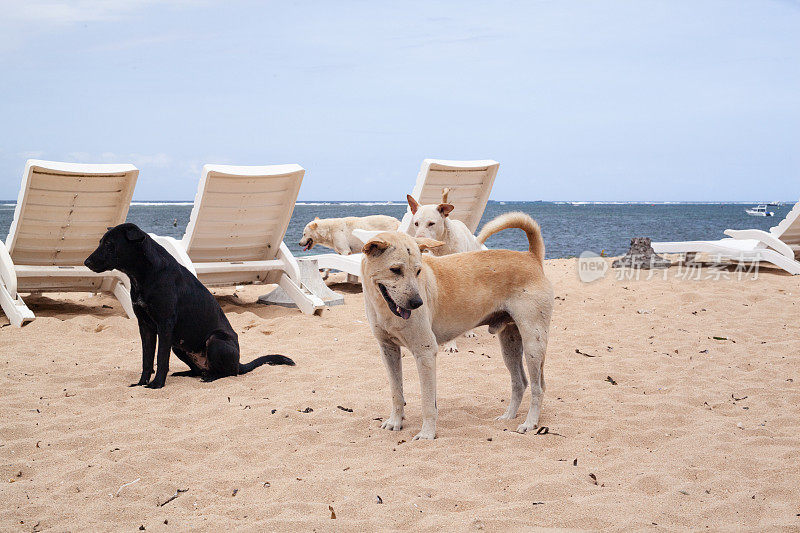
(419,301)
(433,222)
(337,233)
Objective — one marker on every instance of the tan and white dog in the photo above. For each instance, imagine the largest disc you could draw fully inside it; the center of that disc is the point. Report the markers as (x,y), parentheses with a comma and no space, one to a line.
(337,233)
(420,301)
(434,222)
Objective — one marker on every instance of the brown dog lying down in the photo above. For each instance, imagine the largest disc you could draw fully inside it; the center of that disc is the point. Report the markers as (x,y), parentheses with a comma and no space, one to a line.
(337,233)
(420,301)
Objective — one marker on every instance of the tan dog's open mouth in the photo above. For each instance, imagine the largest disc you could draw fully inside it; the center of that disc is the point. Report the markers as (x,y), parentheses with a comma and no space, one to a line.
(308,244)
(403,313)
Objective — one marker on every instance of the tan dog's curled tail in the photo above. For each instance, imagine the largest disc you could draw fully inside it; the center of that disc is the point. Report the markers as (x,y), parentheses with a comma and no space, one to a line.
(519,221)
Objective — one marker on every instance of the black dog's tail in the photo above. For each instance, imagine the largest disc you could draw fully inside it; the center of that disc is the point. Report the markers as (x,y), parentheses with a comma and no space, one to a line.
(274,359)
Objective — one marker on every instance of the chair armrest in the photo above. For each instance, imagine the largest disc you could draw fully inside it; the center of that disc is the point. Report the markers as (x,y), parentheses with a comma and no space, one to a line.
(767,238)
(175,248)
(8,276)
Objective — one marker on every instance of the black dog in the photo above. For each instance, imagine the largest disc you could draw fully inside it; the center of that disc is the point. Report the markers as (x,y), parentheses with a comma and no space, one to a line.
(172,304)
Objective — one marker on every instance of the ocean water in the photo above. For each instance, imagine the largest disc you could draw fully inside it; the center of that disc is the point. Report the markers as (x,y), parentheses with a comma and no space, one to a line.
(568,229)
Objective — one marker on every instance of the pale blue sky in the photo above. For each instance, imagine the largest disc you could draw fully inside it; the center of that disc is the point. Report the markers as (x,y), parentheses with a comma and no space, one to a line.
(578,100)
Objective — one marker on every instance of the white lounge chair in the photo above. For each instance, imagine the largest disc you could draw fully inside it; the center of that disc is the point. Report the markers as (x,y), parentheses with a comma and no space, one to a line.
(62,211)
(777,246)
(470,183)
(235,232)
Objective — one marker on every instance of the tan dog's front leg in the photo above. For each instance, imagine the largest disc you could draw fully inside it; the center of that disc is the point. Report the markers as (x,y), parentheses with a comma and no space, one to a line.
(534,341)
(426,367)
(394,367)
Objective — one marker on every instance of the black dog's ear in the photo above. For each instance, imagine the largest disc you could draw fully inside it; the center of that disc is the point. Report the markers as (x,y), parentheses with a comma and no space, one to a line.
(134,234)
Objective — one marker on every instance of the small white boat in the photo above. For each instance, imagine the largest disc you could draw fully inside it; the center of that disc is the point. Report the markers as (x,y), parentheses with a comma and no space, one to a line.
(759,211)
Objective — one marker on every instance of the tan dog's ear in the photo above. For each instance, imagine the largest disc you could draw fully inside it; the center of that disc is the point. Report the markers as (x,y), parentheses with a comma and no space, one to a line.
(316,218)
(375,247)
(427,244)
(313,225)
(412,204)
(445,209)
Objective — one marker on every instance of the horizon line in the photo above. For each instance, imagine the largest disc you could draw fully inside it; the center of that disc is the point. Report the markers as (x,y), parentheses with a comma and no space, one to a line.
(398,202)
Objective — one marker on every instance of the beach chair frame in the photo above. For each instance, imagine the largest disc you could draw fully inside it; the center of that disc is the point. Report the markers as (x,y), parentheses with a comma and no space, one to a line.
(236,230)
(777,246)
(470,184)
(62,211)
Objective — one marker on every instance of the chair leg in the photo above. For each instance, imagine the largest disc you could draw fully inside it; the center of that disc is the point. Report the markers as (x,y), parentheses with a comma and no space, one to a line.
(306,302)
(14,308)
(123,295)
(789,265)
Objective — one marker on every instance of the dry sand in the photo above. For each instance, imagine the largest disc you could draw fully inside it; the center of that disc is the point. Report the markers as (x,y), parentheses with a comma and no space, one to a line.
(696,433)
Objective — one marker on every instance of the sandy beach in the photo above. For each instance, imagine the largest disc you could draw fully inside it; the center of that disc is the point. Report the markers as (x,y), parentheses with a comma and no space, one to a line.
(682,410)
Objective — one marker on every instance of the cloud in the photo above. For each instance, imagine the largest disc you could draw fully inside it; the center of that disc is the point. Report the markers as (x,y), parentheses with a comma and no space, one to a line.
(426,42)
(791,3)
(143,42)
(154,160)
(23,20)
(159,160)
(80,157)
(63,13)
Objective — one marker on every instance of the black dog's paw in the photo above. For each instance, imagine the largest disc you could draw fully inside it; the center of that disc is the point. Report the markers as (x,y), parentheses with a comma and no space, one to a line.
(142,381)
(155,384)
